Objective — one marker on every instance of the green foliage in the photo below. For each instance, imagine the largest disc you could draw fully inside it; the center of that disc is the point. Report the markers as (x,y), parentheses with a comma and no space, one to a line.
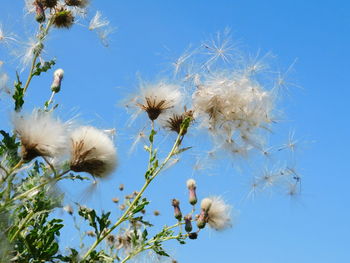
(9,146)
(43,67)
(18,95)
(98,223)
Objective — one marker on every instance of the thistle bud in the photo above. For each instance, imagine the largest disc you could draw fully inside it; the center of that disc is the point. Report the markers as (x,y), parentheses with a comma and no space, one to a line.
(39,11)
(188,223)
(57,79)
(192,235)
(201,220)
(203,216)
(191,185)
(177,212)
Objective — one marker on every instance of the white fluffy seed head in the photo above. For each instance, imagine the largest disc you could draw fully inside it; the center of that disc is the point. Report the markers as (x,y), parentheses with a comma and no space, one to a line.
(191,183)
(234,108)
(92,152)
(156,99)
(206,204)
(40,135)
(219,214)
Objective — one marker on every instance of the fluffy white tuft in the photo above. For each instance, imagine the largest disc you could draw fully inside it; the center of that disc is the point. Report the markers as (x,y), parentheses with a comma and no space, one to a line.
(93,152)
(234,108)
(191,183)
(158,98)
(206,204)
(40,134)
(219,214)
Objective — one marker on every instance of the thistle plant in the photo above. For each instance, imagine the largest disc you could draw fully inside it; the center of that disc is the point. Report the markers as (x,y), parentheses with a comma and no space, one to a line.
(210,91)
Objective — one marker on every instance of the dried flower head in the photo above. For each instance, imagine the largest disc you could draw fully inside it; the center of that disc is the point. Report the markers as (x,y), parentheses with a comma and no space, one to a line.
(77,3)
(175,122)
(48,3)
(63,18)
(40,135)
(218,213)
(92,152)
(156,99)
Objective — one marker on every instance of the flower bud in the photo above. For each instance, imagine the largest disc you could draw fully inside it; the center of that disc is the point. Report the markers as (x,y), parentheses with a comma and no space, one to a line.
(188,223)
(191,185)
(39,11)
(192,235)
(57,79)
(201,220)
(177,212)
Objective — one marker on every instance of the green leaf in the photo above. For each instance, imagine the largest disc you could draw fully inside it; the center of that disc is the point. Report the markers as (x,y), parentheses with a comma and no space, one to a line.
(18,96)
(43,67)
(151,136)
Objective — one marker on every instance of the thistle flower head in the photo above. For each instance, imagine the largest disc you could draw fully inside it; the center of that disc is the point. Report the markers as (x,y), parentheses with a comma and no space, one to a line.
(206,204)
(63,18)
(156,99)
(175,121)
(218,213)
(92,152)
(47,3)
(40,135)
(191,184)
(77,3)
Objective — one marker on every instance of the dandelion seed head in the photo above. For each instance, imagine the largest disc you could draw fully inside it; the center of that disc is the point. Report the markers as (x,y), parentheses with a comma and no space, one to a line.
(40,135)
(92,152)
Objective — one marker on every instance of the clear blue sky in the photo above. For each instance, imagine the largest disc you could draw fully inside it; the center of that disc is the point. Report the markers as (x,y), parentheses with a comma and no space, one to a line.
(273,228)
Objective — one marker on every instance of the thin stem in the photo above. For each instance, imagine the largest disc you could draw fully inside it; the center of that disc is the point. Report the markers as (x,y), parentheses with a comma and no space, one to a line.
(51,166)
(26,220)
(47,104)
(144,187)
(126,259)
(56,179)
(41,38)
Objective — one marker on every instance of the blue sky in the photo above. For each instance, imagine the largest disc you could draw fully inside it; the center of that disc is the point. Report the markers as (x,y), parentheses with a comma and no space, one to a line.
(313,227)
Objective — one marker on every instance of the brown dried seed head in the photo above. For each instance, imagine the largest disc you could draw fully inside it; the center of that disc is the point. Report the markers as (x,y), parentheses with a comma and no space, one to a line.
(63,18)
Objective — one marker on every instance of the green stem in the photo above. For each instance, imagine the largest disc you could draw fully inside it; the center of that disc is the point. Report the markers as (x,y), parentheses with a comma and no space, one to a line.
(50,100)
(28,217)
(51,166)
(126,213)
(41,39)
(25,194)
